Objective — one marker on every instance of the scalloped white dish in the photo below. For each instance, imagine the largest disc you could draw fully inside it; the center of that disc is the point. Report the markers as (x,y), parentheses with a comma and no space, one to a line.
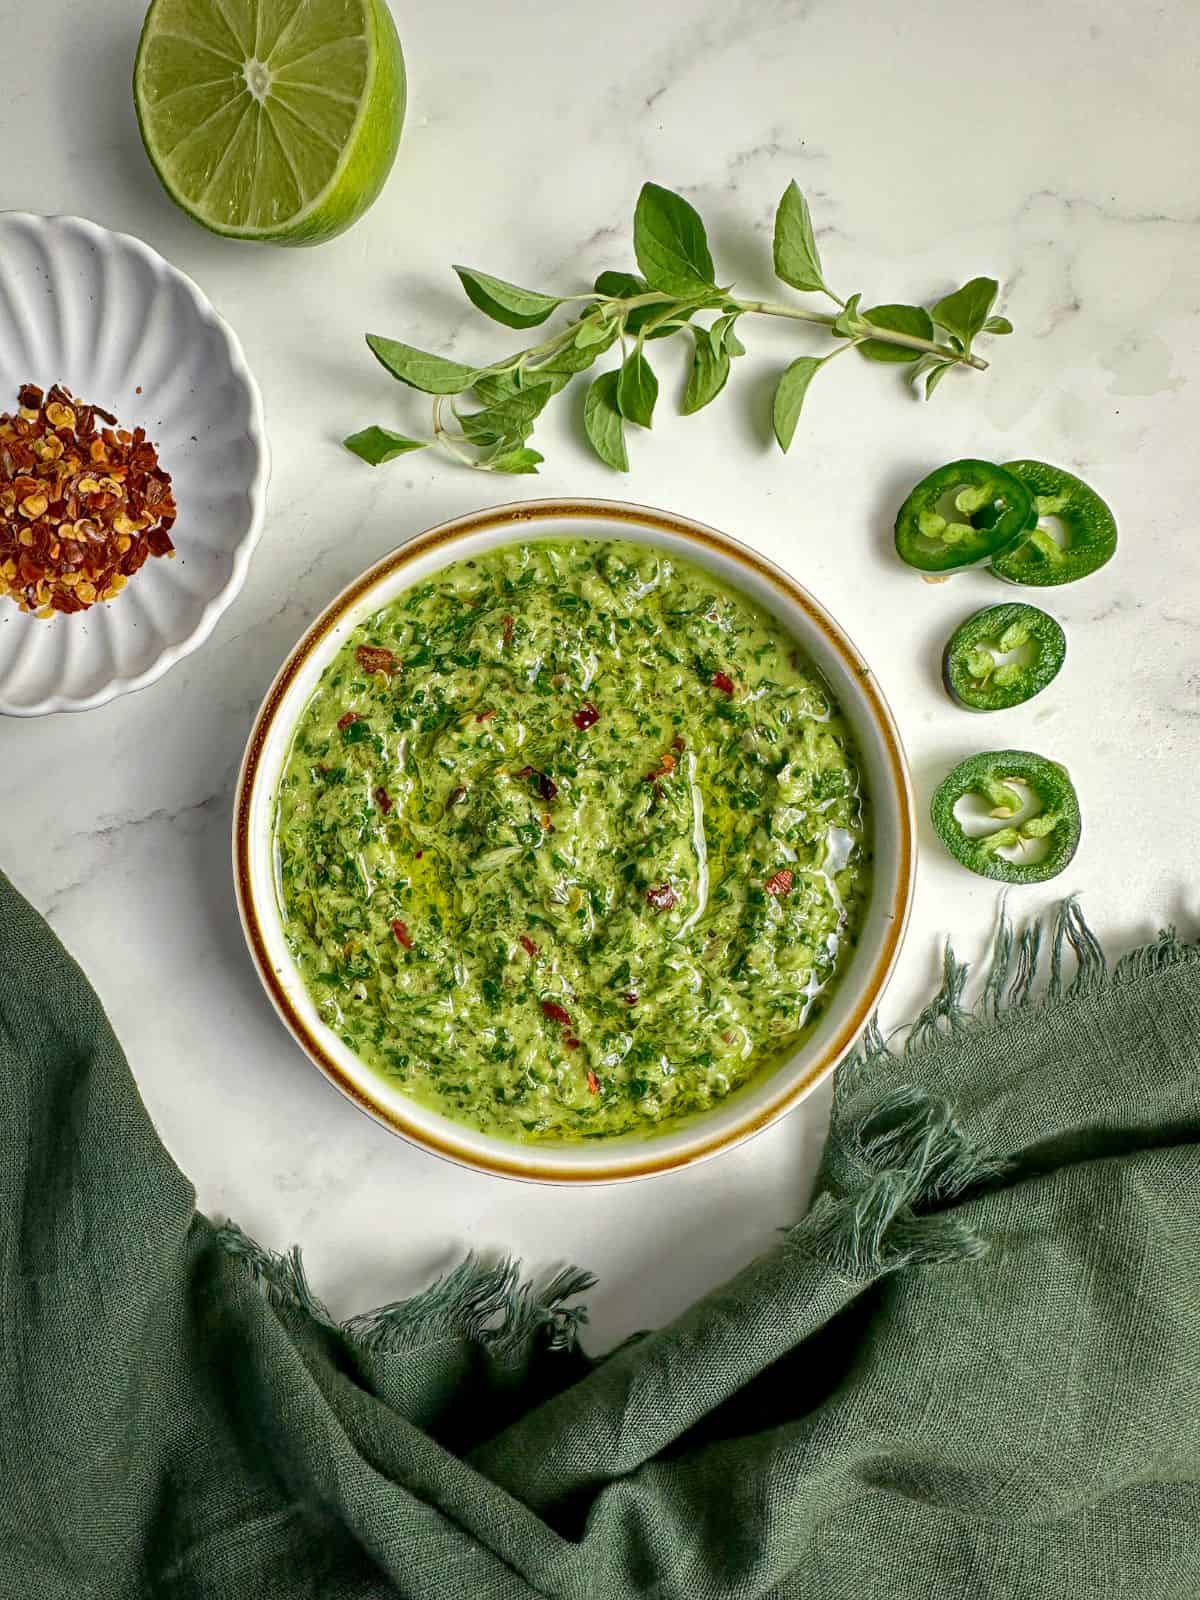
(107,316)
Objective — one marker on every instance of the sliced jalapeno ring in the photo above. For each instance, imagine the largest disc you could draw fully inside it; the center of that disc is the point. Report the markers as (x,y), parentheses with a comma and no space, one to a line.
(1049,836)
(962,515)
(976,677)
(1088,525)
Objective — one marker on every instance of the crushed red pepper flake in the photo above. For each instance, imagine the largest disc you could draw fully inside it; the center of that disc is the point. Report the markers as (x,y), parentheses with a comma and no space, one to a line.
(383,800)
(403,936)
(631,997)
(485,716)
(573,1043)
(661,896)
(677,743)
(377,658)
(593,1082)
(779,883)
(509,624)
(545,784)
(556,1013)
(587,716)
(722,681)
(347,721)
(527,944)
(83,503)
(666,765)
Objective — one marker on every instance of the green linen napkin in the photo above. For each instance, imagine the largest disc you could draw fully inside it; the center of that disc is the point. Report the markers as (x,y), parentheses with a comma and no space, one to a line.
(973,1370)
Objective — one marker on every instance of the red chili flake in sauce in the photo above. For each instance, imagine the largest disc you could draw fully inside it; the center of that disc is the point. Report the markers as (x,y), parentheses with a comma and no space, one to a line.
(484,716)
(509,625)
(593,1082)
(661,896)
(456,795)
(666,765)
(572,1043)
(374,658)
(677,742)
(586,717)
(779,883)
(555,1012)
(82,506)
(546,785)
(419,854)
(347,721)
(631,997)
(722,681)
(402,934)
(383,800)
(527,944)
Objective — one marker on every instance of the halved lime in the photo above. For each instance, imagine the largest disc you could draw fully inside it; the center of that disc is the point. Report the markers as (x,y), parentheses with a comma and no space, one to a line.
(275,120)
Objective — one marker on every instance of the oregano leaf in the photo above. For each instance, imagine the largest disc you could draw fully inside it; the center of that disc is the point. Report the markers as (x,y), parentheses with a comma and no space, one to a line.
(710,371)
(847,323)
(627,286)
(514,461)
(797,260)
(671,245)
(997,325)
(964,312)
(592,330)
(493,387)
(789,396)
(420,370)
(509,420)
(914,320)
(935,375)
(506,302)
(919,368)
(571,358)
(723,333)
(620,285)
(377,445)
(641,318)
(603,422)
(637,389)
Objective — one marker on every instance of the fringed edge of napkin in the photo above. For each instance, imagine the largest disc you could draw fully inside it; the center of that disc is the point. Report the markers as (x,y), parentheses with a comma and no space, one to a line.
(1016,964)
(885,1171)
(492,1305)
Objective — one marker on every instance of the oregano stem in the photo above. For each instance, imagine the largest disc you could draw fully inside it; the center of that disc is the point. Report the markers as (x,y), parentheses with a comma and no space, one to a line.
(822,319)
(442,437)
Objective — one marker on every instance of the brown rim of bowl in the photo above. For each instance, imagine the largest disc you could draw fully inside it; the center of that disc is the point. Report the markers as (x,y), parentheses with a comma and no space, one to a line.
(513,516)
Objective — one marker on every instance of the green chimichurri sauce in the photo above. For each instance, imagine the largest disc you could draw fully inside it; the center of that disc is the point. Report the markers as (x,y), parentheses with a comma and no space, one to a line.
(571,841)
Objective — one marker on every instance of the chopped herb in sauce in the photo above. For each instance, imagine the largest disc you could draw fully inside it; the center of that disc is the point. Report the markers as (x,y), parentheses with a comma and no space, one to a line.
(542,876)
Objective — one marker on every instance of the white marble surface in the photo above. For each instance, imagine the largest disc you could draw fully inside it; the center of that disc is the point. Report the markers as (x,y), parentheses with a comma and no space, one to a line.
(1053,146)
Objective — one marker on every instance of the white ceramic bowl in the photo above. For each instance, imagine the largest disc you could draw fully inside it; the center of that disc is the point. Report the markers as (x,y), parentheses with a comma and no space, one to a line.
(885,771)
(105,315)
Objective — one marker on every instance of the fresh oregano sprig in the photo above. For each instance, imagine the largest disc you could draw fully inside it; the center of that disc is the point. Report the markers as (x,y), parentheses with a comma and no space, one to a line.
(677,282)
